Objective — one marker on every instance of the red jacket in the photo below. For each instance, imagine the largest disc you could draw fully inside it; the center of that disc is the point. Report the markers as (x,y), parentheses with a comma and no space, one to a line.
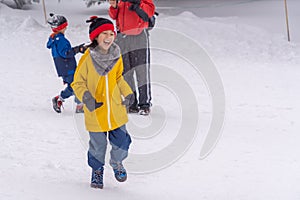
(127,21)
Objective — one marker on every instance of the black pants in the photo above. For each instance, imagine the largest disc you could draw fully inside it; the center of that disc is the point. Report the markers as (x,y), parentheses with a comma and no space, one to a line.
(136,57)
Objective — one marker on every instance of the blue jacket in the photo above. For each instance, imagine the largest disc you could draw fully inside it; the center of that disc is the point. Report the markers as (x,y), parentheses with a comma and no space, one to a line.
(63,54)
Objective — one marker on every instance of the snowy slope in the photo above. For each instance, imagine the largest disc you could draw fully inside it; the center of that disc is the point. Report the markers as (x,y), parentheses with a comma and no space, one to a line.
(43,154)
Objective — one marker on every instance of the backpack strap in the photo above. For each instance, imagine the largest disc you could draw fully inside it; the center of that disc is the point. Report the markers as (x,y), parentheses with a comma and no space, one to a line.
(140,12)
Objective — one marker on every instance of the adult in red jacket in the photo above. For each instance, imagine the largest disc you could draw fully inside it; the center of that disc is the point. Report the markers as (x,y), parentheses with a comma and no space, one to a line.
(132,18)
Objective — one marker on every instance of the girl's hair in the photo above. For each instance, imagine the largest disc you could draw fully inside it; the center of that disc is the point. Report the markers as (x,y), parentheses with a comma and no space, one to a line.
(93,45)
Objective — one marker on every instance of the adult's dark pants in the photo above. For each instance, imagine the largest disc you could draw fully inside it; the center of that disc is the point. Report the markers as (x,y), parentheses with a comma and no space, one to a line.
(136,58)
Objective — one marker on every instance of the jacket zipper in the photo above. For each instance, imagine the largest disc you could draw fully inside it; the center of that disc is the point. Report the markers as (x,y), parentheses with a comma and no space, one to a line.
(108,102)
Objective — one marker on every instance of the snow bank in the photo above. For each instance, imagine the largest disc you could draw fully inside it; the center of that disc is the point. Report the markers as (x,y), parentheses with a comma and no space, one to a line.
(234,42)
(30,24)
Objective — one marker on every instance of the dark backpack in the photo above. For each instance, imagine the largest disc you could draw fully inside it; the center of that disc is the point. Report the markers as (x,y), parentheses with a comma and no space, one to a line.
(152,20)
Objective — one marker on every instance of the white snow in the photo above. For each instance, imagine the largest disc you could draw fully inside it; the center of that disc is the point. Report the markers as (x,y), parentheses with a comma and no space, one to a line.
(43,154)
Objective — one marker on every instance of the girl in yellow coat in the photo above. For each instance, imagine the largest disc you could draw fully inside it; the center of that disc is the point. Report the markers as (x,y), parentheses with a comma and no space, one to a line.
(99,84)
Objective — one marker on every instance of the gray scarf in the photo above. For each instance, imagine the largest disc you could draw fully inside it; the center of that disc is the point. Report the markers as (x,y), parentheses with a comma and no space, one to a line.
(103,63)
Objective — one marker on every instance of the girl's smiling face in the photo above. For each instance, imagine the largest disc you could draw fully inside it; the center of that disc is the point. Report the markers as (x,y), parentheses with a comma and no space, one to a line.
(105,40)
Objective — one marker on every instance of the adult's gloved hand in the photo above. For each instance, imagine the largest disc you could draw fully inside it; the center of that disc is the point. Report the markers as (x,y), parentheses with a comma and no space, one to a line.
(90,102)
(128,100)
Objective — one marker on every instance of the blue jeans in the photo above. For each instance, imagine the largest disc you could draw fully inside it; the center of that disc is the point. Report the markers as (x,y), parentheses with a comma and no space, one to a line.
(68,91)
(120,141)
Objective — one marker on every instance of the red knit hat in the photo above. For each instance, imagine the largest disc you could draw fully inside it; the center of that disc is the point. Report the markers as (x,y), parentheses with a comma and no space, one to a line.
(57,22)
(98,25)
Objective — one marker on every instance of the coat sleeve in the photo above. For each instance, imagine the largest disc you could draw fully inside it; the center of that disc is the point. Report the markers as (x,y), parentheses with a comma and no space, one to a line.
(49,43)
(122,84)
(113,12)
(64,48)
(79,83)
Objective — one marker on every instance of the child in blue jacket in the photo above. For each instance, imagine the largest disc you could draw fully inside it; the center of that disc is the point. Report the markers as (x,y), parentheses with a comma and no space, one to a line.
(64,59)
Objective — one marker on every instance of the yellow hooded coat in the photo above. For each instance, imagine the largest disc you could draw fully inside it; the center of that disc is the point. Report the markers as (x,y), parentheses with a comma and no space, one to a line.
(109,89)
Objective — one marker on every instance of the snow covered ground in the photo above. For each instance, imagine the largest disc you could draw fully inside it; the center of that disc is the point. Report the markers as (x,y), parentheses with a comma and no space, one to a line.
(43,154)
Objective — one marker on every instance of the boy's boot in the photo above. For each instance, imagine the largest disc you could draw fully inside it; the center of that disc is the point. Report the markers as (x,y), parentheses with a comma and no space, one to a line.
(79,108)
(97,178)
(57,103)
(120,173)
